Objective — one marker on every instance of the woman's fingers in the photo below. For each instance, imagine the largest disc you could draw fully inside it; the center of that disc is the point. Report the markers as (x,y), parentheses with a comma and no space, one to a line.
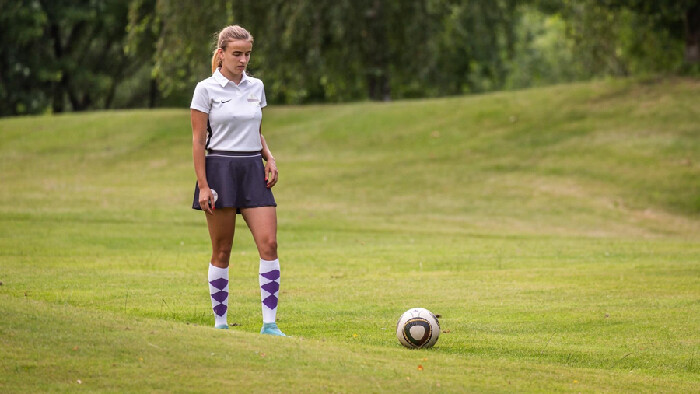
(206,207)
(206,201)
(272,178)
(271,174)
(210,206)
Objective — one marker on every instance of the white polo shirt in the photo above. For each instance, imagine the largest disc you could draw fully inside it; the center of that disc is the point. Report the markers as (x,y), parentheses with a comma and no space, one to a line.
(235,111)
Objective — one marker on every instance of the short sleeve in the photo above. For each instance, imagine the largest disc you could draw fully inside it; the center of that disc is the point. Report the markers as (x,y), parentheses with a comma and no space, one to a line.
(200,99)
(263,100)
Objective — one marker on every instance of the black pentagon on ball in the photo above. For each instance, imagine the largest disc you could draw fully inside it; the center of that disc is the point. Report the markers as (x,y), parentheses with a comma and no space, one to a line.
(427,331)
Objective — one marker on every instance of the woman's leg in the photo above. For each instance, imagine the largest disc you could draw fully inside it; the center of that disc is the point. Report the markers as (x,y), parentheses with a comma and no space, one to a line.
(262,222)
(222,224)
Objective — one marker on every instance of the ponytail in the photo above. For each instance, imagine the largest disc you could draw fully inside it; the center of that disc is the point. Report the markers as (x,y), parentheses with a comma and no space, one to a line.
(215,61)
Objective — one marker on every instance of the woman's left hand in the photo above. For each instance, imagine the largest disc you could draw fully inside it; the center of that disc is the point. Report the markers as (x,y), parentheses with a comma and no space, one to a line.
(271,172)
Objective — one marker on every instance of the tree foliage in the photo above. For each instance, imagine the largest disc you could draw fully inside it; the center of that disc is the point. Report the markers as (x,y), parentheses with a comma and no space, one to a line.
(21,28)
(309,51)
(63,55)
(69,55)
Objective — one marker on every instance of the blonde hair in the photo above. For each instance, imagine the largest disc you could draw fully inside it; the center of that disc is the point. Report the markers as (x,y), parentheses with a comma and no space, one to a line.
(228,33)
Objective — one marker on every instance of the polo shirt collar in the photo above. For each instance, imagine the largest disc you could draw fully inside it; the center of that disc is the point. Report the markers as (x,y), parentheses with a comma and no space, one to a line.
(222,80)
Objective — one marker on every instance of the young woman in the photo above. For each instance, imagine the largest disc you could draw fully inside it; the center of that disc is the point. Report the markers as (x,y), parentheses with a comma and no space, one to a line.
(228,149)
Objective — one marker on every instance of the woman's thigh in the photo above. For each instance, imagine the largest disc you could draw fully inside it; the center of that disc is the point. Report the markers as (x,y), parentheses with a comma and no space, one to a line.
(262,222)
(222,224)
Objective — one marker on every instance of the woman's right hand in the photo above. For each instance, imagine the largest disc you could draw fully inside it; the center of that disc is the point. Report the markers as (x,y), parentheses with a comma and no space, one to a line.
(206,200)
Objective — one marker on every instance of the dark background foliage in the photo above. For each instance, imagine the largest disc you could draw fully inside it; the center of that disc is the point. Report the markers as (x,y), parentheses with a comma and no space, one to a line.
(62,55)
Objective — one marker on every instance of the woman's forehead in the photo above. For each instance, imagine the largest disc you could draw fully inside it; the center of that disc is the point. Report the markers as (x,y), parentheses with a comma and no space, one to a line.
(239,46)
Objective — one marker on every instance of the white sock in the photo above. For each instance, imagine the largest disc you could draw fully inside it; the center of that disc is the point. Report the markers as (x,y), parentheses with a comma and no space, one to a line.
(269,288)
(218,289)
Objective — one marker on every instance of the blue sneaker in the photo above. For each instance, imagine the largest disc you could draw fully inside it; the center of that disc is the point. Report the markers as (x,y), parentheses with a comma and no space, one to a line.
(271,329)
(222,326)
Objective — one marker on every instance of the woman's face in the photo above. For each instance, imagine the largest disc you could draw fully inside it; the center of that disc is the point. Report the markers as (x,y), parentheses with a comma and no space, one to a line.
(235,58)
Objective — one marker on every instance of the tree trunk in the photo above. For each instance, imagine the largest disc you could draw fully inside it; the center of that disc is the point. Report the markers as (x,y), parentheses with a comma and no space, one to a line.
(75,102)
(692,35)
(153,93)
(57,91)
(376,56)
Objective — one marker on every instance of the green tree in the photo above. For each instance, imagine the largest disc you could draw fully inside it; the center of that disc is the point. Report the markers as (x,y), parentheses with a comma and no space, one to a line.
(616,37)
(64,55)
(142,30)
(84,47)
(680,18)
(340,50)
(544,54)
(22,75)
(474,45)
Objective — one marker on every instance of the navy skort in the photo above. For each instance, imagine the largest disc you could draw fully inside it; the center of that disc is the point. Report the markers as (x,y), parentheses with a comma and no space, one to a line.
(239,180)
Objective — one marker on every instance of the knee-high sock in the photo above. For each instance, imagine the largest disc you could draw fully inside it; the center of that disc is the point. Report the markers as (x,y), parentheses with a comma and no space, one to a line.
(218,289)
(269,288)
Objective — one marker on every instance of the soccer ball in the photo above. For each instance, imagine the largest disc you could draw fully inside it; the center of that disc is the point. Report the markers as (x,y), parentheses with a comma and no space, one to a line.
(418,328)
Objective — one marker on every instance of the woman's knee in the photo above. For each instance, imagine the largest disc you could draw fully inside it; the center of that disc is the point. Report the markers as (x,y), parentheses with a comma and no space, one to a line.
(268,247)
(222,253)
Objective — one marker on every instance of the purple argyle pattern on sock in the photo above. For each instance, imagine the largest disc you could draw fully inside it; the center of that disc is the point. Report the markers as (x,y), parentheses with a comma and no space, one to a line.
(220,296)
(271,287)
(219,283)
(270,302)
(271,275)
(220,309)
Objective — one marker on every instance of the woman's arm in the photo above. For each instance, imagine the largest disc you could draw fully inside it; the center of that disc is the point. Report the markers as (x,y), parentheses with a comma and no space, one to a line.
(270,166)
(199,141)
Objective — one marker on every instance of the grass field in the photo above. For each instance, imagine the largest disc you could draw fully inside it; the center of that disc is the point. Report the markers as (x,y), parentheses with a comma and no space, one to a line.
(556,230)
